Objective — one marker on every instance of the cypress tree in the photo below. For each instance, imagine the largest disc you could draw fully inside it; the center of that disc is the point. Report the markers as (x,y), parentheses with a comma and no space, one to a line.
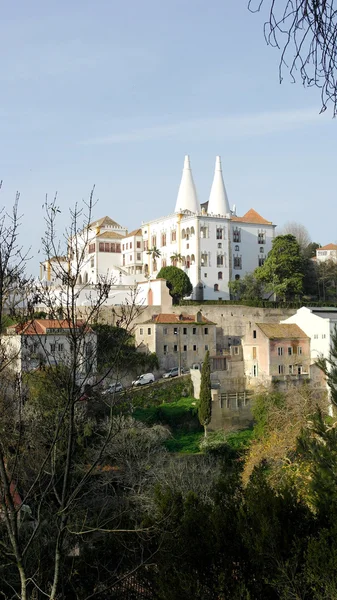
(205,400)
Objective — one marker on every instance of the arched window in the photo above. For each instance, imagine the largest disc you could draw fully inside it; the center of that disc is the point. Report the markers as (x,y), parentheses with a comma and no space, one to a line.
(85,277)
(183,234)
(192,231)
(79,279)
(188,261)
(192,259)
(220,275)
(216,287)
(188,233)
(237,277)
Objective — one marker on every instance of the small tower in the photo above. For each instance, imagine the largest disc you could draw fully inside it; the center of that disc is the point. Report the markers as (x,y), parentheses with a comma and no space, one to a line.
(187,196)
(218,202)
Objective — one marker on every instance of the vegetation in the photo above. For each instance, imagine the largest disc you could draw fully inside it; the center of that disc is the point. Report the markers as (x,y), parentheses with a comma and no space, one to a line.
(282,273)
(205,400)
(177,281)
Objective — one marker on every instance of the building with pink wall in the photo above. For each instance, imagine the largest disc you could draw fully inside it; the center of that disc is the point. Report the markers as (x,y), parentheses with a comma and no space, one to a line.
(276,352)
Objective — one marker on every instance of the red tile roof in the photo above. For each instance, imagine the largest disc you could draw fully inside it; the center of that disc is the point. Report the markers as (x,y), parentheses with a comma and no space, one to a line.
(40,326)
(328,247)
(173,319)
(252,217)
(134,232)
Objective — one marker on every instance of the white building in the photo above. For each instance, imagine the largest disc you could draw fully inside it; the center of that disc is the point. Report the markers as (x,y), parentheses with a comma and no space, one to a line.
(328,252)
(47,342)
(208,241)
(101,244)
(52,270)
(318,323)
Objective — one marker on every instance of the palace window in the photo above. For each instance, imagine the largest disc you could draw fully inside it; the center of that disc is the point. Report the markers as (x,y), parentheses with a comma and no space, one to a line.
(154,241)
(163,239)
(281,369)
(219,233)
(216,287)
(173,236)
(261,237)
(236,235)
(261,261)
(280,351)
(91,248)
(139,244)
(220,275)
(203,232)
(219,260)
(237,262)
(146,245)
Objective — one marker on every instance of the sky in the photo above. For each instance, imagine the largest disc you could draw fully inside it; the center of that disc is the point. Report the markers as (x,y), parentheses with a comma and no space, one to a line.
(114,94)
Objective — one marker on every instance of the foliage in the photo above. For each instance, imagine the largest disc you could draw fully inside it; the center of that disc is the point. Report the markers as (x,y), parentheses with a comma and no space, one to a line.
(329,367)
(116,351)
(159,392)
(177,281)
(205,399)
(247,288)
(283,271)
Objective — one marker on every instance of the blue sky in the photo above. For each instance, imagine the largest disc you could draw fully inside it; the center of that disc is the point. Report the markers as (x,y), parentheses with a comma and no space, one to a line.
(115,94)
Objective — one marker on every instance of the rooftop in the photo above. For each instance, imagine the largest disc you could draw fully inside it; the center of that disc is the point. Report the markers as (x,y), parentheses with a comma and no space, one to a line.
(278,331)
(105,221)
(110,235)
(252,217)
(328,247)
(134,232)
(173,319)
(40,326)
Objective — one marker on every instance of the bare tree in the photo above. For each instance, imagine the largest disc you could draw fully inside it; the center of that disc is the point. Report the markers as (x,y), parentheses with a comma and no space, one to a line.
(54,457)
(299,231)
(306,33)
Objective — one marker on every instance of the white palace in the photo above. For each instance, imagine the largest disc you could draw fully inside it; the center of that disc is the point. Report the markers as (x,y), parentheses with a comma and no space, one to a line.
(208,241)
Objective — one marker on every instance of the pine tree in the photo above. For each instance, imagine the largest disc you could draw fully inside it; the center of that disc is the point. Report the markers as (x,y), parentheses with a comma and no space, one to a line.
(205,400)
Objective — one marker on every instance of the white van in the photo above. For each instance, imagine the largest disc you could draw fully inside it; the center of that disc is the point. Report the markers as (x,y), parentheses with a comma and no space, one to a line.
(144,379)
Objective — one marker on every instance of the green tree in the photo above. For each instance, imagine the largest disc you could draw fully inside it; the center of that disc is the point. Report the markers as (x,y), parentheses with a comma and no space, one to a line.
(283,272)
(177,281)
(247,288)
(205,400)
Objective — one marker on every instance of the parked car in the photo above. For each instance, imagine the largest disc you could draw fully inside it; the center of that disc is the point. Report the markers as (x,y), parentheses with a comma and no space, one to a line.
(144,379)
(113,388)
(172,373)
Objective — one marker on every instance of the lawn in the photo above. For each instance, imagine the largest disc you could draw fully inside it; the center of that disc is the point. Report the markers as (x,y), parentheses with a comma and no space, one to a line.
(182,418)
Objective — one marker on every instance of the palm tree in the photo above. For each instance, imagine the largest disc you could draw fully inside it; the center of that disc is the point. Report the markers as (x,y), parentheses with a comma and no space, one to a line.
(176,258)
(154,253)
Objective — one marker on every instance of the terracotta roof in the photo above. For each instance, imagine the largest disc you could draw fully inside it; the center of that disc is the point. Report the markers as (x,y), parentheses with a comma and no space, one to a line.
(277,331)
(135,232)
(40,326)
(173,319)
(104,221)
(110,235)
(328,247)
(252,217)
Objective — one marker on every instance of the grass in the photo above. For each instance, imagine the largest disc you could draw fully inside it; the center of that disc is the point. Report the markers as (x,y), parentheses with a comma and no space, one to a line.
(182,418)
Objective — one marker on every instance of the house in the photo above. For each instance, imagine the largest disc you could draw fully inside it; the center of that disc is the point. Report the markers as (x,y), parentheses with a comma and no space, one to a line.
(276,352)
(319,323)
(48,342)
(328,252)
(177,339)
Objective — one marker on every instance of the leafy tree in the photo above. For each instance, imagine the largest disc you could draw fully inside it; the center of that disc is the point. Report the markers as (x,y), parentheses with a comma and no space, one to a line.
(177,281)
(247,288)
(283,271)
(205,400)
(310,250)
